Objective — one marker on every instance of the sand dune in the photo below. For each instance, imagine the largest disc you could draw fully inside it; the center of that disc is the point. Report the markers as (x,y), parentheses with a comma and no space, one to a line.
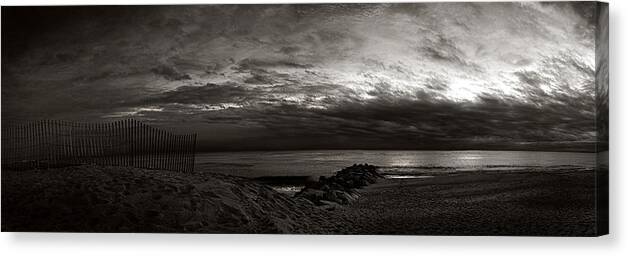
(119,199)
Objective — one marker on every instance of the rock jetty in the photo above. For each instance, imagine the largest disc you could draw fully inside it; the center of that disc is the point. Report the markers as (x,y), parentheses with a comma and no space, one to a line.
(340,189)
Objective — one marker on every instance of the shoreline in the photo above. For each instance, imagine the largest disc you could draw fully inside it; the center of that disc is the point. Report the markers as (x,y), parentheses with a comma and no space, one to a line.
(426,172)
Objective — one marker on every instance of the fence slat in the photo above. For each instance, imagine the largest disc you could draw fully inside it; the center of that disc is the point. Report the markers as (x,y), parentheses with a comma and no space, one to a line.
(164,152)
(169,150)
(39,149)
(154,143)
(145,153)
(133,143)
(180,152)
(189,153)
(116,135)
(193,152)
(53,142)
(177,153)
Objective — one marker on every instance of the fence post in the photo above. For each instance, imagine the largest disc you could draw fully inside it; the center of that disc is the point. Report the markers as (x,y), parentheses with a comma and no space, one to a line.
(144,153)
(88,144)
(110,143)
(79,142)
(57,144)
(53,142)
(104,127)
(71,138)
(138,144)
(66,144)
(38,137)
(102,155)
(168,150)
(94,136)
(171,150)
(190,160)
(154,143)
(182,153)
(178,153)
(127,143)
(133,144)
(84,142)
(164,149)
(116,136)
(194,153)
(49,155)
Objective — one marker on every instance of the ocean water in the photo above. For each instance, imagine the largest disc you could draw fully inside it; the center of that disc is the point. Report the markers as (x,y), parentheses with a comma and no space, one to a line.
(397,164)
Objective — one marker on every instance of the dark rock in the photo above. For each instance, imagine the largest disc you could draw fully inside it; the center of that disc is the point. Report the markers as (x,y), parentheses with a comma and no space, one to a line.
(331,196)
(311,194)
(311,182)
(340,188)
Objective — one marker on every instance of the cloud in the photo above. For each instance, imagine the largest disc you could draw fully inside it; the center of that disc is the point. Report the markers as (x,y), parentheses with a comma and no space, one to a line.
(381,75)
(206,94)
(170,73)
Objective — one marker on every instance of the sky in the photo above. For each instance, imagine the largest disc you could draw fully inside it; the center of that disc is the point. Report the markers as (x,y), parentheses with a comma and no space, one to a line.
(355,76)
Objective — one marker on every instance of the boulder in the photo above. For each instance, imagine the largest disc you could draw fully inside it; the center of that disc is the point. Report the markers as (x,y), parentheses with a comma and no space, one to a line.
(314,195)
(331,195)
(340,188)
(346,197)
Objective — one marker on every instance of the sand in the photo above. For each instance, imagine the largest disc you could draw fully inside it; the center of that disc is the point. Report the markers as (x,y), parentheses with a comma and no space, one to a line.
(535,203)
(119,199)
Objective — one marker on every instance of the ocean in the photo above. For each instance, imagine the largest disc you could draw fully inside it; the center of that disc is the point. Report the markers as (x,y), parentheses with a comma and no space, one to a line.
(402,163)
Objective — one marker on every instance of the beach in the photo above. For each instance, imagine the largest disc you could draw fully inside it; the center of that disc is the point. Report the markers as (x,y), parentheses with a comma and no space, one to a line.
(94,198)
(539,203)
(551,202)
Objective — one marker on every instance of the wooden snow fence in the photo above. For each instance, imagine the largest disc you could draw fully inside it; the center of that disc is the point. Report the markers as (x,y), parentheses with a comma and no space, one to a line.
(53,143)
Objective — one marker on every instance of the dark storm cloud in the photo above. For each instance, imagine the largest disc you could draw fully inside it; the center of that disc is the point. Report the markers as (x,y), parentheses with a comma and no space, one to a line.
(170,73)
(206,94)
(251,64)
(428,75)
(407,123)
